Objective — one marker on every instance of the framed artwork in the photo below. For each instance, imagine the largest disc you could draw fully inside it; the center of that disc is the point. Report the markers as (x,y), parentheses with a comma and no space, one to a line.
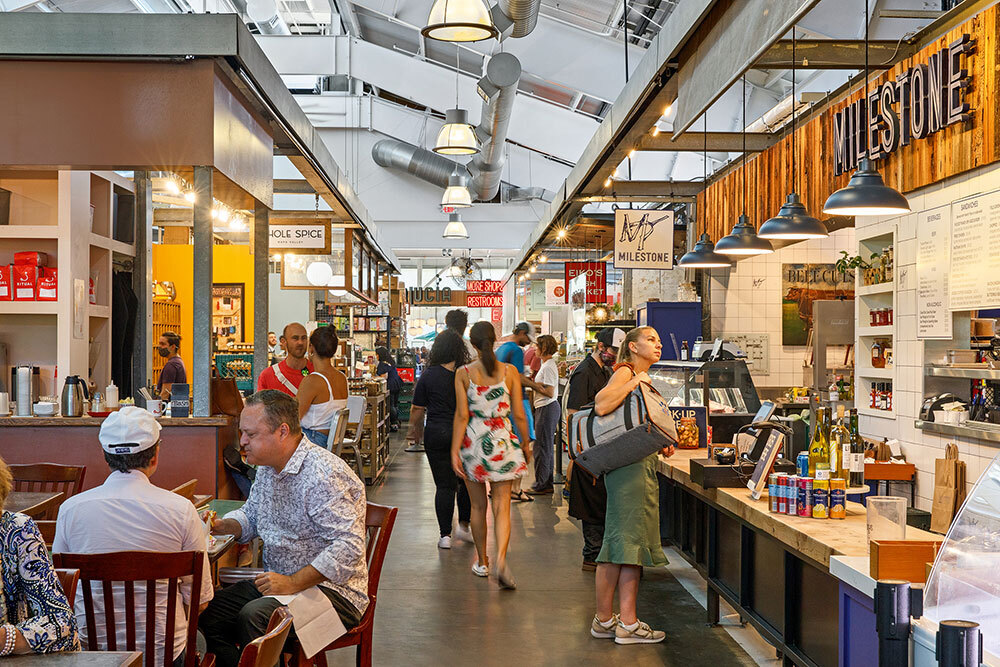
(801,284)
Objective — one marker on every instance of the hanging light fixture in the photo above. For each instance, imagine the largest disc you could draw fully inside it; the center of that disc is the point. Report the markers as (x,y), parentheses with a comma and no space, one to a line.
(793,221)
(457,192)
(459,21)
(455,229)
(866,193)
(743,240)
(703,255)
(456,136)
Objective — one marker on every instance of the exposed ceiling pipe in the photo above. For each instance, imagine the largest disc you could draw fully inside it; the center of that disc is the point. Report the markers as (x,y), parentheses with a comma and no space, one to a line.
(527,194)
(498,89)
(524,14)
(263,14)
(422,163)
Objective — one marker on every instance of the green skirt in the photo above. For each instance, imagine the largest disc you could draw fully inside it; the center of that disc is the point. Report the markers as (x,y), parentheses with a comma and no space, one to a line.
(632,524)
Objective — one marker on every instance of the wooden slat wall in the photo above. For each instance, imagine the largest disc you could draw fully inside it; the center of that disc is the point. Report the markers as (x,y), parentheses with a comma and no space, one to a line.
(956,149)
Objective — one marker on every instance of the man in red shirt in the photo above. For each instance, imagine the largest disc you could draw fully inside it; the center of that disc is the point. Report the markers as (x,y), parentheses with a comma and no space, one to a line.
(287,375)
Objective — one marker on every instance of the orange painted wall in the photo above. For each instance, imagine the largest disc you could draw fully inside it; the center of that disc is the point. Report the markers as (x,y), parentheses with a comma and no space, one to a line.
(230,264)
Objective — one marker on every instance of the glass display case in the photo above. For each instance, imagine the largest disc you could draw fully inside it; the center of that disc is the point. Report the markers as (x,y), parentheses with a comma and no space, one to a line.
(728,382)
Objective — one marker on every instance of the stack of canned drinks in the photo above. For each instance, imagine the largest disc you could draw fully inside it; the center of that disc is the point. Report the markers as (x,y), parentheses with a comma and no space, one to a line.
(802,495)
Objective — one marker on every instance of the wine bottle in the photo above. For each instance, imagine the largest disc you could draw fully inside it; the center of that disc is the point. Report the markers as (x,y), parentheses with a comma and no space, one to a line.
(819,448)
(840,447)
(857,465)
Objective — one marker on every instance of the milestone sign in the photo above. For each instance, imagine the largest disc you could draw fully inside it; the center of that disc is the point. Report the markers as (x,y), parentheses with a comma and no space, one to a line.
(917,103)
(644,239)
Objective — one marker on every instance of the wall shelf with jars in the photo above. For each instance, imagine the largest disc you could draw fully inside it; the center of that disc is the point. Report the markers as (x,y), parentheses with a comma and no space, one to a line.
(876,328)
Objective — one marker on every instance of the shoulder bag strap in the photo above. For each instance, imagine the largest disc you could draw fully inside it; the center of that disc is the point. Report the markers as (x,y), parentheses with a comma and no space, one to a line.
(285,381)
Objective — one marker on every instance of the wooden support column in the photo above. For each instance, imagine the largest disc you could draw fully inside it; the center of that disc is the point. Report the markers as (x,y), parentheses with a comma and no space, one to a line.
(201,335)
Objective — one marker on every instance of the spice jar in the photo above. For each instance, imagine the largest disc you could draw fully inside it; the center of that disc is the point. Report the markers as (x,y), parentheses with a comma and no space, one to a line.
(687,433)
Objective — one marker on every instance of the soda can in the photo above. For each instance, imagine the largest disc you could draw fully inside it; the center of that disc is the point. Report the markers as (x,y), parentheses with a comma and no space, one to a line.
(821,499)
(782,493)
(802,464)
(772,492)
(805,496)
(793,495)
(838,498)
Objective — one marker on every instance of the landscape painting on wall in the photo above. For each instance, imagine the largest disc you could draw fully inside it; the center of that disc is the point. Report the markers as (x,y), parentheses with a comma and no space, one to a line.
(801,284)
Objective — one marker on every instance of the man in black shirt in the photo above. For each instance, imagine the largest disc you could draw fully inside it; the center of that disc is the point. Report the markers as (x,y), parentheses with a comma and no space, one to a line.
(587,496)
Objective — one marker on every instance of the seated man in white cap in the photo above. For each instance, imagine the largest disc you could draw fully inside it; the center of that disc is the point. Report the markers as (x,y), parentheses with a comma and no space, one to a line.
(128,513)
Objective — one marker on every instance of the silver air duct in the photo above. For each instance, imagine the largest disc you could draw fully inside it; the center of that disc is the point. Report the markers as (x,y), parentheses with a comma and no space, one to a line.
(417,161)
(264,15)
(524,14)
(527,194)
(498,89)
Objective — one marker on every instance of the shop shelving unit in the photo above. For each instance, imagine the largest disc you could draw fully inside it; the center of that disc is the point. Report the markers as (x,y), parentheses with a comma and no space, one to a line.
(868,298)
(166,317)
(83,221)
(375,437)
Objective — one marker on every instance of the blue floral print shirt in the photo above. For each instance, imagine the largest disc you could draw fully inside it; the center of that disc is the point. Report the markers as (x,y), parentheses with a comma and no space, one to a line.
(32,598)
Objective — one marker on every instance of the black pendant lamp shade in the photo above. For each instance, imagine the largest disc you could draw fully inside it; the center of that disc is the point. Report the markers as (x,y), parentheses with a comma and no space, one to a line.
(793,223)
(703,256)
(743,240)
(866,194)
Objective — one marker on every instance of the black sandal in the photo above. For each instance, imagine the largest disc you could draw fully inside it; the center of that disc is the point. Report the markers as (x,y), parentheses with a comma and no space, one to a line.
(521,497)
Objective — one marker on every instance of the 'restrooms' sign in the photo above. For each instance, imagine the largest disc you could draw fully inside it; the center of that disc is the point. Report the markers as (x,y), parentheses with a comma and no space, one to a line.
(920,101)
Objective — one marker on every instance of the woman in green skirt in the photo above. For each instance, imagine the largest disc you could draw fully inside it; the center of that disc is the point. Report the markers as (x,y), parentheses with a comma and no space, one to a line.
(632,526)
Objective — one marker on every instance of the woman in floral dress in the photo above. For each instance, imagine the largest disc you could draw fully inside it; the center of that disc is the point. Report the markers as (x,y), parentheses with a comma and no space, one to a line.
(484,447)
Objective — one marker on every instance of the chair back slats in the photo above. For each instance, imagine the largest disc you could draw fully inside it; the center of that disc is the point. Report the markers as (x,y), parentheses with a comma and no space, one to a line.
(49,477)
(187,489)
(129,567)
(130,615)
(265,651)
(379,519)
(68,580)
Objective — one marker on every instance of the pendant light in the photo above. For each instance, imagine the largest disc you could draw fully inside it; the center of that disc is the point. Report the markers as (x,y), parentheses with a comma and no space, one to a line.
(456,136)
(743,240)
(793,222)
(457,193)
(455,229)
(459,21)
(703,255)
(866,193)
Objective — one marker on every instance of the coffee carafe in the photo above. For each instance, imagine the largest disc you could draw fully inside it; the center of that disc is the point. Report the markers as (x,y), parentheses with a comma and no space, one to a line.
(74,397)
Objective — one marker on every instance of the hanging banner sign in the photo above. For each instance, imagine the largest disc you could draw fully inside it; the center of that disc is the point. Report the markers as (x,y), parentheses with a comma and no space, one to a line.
(555,292)
(597,278)
(644,239)
(428,296)
(917,103)
(310,236)
(484,286)
(484,301)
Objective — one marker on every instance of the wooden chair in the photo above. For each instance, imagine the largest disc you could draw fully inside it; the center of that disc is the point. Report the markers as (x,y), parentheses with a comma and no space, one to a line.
(265,651)
(68,579)
(186,489)
(48,530)
(51,477)
(379,522)
(143,566)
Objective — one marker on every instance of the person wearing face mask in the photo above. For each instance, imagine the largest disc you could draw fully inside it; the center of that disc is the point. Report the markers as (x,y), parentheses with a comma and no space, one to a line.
(587,495)
(173,370)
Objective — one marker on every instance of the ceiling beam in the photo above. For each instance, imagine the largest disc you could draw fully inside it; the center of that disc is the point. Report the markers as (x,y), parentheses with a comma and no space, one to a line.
(293,186)
(653,190)
(829,54)
(717,141)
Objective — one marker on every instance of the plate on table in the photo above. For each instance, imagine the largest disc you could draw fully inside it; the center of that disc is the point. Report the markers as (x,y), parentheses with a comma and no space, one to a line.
(102,414)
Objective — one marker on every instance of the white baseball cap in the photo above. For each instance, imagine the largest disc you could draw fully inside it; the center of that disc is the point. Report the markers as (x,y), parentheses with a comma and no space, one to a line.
(130,430)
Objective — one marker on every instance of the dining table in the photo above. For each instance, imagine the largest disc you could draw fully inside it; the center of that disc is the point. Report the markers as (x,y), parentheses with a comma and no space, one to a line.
(36,504)
(77,659)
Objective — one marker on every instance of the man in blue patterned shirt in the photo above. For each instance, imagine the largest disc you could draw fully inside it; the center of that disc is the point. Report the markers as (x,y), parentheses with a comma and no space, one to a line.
(308,508)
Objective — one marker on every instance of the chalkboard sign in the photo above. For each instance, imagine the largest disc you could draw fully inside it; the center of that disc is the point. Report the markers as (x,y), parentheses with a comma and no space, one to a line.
(757,347)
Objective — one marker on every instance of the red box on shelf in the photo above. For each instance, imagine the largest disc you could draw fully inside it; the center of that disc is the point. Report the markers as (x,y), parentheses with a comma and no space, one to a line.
(6,285)
(407,374)
(30,258)
(48,283)
(24,277)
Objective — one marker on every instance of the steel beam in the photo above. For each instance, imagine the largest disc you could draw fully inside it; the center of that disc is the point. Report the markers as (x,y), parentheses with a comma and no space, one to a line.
(717,141)
(260,288)
(672,190)
(142,285)
(293,186)
(636,199)
(827,54)
(201,334)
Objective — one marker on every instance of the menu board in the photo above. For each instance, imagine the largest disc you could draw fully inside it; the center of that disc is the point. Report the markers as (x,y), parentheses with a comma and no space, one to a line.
(757,347)
(933,267)
(975,253)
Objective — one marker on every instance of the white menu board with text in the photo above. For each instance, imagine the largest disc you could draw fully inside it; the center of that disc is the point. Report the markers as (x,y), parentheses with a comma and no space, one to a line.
(933,268)
(975,253)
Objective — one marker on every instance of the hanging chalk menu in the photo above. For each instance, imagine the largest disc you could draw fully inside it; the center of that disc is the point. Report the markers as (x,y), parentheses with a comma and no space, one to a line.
(933,267)
(975,253)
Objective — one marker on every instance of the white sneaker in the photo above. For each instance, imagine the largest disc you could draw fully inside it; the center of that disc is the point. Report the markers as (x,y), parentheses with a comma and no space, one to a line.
(480,570)
(462,534)
(604,630)
(445,542)
(640,634)
(414,447)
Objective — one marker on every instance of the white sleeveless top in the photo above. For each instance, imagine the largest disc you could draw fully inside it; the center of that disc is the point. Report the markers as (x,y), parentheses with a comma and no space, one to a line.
(320,416)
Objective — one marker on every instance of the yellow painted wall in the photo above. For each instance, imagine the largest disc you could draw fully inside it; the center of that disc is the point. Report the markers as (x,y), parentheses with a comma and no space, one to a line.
(230,264)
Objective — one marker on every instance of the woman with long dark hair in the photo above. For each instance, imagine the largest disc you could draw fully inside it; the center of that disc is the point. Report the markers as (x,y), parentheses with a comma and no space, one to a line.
(632,528)
(483,447)
(323,393)
(434,398)
(393,383)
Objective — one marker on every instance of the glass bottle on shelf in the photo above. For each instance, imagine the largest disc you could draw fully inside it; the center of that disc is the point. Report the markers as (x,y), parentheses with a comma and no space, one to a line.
(840,447)
(857,462)
(819,448)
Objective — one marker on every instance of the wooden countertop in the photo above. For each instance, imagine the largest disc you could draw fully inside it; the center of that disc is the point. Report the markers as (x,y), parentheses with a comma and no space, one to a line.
(221,420)
(815,539)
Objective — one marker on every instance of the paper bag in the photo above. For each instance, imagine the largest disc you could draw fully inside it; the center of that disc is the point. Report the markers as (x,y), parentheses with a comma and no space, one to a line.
(949,489)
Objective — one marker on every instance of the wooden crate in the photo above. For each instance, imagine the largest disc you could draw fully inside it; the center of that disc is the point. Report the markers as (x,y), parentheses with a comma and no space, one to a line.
(902,559)
(890,472)
(166,317)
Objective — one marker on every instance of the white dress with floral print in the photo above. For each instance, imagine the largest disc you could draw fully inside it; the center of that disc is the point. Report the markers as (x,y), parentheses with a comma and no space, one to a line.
(491,451)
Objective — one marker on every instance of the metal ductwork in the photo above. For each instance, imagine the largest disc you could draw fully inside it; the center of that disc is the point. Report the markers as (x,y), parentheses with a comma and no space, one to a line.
(527,194)
(417,161)
(498,89)
(263,14)
(524,14)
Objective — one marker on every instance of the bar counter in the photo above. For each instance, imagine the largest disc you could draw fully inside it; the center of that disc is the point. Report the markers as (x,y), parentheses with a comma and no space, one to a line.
(774,569)
(190,448)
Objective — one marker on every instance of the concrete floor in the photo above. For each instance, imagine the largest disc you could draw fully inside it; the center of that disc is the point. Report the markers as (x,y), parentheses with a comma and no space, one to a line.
(433,611)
